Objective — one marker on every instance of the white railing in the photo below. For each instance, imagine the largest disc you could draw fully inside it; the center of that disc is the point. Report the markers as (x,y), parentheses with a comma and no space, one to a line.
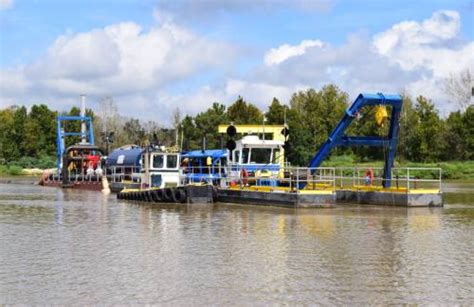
(402,178)
(289,179)
(202,175)
(123,173)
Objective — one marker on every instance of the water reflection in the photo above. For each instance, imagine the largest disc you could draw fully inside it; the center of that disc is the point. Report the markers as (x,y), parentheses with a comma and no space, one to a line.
(65,246)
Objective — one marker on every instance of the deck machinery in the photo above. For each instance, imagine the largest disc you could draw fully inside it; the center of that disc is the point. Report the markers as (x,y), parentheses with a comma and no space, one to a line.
(339,138)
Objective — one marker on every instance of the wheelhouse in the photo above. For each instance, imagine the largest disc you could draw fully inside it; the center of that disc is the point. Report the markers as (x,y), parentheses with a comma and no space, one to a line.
(252,154)
(160,168)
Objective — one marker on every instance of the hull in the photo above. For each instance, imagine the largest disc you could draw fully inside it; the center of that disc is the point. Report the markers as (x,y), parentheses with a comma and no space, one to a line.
(79,185)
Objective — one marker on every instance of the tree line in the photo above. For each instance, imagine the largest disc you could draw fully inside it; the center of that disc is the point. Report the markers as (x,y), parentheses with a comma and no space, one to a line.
(311,115)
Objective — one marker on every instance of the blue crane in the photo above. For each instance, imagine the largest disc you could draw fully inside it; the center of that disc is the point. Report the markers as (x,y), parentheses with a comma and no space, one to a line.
(61,134)
(339,138)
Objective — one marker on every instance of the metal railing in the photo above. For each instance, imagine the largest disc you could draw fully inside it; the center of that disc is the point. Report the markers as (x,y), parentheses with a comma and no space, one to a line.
(202,175)
(403,178)
(286,179)
(73,177)
(123,173)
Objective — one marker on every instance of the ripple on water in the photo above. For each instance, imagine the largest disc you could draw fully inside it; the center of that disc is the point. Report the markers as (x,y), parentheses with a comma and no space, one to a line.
(65,247)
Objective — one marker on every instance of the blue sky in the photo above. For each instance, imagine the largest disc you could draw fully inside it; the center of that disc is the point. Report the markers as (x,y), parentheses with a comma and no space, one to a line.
(38,41)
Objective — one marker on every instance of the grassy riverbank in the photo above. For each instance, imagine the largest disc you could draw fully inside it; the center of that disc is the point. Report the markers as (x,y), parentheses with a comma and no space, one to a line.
(27,166)
(450,169)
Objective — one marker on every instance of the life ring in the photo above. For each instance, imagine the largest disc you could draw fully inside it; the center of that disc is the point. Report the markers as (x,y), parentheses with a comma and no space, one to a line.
(369,176)
(244,175)
(179,196)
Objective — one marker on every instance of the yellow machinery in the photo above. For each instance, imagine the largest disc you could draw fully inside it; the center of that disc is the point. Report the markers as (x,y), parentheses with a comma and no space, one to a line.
(273,130)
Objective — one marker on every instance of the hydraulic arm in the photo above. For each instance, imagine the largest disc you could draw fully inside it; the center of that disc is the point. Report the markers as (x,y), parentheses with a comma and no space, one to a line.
(339,138)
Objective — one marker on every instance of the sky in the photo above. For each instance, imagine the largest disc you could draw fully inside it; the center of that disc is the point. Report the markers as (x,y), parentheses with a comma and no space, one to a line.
(155,56)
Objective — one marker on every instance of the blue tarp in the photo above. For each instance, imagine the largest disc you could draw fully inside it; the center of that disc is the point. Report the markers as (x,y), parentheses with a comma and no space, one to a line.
(213,153)
(131,157)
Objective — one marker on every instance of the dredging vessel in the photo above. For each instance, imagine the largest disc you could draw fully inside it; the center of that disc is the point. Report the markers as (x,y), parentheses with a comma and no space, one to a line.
(79,166)
(253,180)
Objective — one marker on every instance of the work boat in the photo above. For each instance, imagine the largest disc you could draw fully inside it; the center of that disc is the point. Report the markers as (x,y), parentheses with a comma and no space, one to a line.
(78,166)
(160,167)
(257,158)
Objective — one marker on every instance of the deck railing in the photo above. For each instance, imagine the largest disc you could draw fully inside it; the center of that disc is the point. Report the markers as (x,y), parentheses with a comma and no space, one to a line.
(202,175)
(286,179)
(403,178)
(120,173)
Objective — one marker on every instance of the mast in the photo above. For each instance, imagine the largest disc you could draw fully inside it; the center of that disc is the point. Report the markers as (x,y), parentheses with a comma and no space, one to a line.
(83,122)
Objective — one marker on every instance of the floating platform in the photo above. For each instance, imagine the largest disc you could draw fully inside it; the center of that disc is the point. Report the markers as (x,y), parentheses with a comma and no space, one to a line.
(266,196)
(390,197)
(262,196)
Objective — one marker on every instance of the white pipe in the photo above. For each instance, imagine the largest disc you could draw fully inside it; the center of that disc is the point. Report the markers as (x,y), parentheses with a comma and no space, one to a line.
(83,123)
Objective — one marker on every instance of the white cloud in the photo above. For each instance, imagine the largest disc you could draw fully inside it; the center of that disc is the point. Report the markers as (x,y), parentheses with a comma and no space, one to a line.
(284,52)
(6,4)
(410,56)
(138,67)
(121,60)
(429,44)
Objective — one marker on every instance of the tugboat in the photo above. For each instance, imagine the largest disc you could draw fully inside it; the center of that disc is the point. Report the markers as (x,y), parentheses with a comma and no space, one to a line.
(160,167)
(79,166)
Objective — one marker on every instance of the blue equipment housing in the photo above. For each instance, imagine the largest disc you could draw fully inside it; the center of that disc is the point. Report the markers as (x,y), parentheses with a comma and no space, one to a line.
(338,138)
(197,169)
(60,134)
(128,157)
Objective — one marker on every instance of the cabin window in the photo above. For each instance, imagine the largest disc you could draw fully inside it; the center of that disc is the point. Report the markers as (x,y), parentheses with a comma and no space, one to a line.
(261,155)
(158,161)
(236,156)
(245,155)
(171,161)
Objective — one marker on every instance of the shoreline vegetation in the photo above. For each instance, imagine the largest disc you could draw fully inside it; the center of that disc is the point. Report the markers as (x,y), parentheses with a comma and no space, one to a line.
(426,138)
(463,170)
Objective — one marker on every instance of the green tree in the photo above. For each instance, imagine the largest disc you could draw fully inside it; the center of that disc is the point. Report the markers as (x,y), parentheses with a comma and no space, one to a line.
(276,113)
(207,123)
(40,132)
(407,137)
(241,112)
(427,143)
(8,143)
(468,133)
(313,116)
(190,133)
(134,132)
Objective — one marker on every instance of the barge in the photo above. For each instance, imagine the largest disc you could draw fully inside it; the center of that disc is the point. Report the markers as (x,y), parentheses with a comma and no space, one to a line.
(257,173)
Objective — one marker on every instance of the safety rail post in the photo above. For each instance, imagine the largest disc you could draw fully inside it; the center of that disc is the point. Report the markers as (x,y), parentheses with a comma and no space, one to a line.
(297,180)
(333,176)
(408,179)
(353,176)
(440,175)
(358,177)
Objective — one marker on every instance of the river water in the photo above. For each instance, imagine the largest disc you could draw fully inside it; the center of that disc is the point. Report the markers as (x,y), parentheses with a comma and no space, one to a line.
(71,247)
